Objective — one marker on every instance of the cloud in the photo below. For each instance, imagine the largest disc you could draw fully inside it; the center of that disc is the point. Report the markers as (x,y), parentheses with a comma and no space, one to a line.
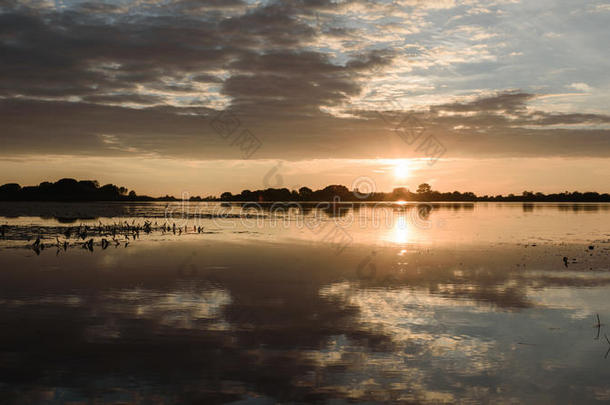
(299,75)
(580,86)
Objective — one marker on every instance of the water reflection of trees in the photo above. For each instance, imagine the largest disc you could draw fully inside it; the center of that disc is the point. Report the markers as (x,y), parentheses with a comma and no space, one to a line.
(341,209)
(72,212)
(565,207)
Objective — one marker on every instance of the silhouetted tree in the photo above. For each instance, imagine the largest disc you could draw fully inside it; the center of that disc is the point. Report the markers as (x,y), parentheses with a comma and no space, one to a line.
(424,188)
(305,193)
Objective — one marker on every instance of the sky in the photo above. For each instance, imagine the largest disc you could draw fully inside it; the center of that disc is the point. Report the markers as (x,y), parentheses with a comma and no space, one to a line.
(206,96)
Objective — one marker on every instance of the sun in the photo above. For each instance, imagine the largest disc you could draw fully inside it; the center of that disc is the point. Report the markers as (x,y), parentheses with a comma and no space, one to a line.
(401,170)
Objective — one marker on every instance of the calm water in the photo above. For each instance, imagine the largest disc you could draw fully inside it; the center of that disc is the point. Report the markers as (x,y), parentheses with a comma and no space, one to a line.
(420,303)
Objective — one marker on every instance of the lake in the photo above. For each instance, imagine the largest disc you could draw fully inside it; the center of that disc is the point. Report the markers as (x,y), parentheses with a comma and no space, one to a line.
(188,302)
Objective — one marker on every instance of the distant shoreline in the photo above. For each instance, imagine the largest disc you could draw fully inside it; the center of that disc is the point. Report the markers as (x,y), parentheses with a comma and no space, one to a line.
(396,202)
(71,190)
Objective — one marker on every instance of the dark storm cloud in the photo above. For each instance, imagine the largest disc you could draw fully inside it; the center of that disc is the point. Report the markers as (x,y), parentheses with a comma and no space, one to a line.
(206,78)
(124,99)
(89,129)
(509,102)
(288,83)
(92,7)
(69,80)
(508,109)
(192,5)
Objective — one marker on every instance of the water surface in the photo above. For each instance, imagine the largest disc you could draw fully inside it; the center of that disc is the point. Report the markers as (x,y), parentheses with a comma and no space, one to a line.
(333,304)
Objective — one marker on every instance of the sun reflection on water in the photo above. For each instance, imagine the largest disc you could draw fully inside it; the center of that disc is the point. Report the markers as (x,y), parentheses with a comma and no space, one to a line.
(401,231)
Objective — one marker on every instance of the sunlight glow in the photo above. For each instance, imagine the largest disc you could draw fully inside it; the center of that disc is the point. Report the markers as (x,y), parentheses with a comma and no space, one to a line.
(401,170)
(401,231)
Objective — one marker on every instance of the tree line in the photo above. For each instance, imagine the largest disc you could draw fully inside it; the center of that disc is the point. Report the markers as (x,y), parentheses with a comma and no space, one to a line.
(67,190)
(90,190)
(423,193)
